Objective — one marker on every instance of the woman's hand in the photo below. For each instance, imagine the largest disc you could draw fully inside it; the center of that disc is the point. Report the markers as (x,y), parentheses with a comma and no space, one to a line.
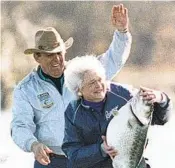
(108,149)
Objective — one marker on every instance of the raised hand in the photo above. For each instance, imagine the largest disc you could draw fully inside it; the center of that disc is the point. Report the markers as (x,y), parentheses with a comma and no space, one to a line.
(151,95)
(120,19)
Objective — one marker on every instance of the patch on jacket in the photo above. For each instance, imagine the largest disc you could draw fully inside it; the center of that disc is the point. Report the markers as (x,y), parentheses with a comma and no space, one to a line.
(45,100)
(113,112)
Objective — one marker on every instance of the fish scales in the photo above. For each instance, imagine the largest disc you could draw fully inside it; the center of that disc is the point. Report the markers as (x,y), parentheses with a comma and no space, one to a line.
(127,133)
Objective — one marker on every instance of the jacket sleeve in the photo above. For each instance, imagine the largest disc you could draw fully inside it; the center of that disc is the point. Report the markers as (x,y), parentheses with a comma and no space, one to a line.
(161,113)
(117,54)
(22,125)
(79,154)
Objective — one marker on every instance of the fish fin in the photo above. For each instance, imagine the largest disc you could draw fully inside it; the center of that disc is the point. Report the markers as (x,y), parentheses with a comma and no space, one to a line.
(131,123)
(141,164)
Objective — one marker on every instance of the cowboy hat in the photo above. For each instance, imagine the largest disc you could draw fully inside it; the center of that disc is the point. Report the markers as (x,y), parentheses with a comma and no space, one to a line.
(49,41)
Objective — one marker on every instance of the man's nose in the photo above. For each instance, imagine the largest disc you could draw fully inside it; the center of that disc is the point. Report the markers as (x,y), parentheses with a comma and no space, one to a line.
(58,57)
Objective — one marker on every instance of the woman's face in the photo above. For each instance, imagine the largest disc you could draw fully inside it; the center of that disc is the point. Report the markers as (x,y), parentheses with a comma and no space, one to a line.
(93,87)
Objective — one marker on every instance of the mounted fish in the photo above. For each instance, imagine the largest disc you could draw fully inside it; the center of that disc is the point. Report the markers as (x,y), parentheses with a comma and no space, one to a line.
(127,132)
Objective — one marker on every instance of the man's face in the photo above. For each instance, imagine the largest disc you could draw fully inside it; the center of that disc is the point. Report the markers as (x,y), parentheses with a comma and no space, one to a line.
(93,87)
(51,64)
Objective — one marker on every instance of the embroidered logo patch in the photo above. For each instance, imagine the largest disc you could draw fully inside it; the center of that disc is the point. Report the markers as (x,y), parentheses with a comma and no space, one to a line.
(113,112)
(45,100)
(108,114)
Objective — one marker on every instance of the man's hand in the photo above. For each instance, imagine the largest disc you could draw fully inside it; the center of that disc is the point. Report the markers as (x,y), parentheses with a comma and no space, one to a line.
(108,149)
(120,18)
(41,153)
(151,95)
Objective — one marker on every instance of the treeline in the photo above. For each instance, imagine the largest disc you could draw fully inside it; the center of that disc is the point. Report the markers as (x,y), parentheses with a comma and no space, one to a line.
(152,25)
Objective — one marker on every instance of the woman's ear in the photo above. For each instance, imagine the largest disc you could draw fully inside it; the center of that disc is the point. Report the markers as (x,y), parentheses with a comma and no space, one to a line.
(79,93)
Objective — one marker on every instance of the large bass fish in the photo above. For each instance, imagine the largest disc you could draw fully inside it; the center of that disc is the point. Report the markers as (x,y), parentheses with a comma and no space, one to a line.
(127,132)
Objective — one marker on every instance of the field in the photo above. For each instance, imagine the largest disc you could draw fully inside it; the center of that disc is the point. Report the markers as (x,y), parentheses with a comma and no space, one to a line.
(160,150)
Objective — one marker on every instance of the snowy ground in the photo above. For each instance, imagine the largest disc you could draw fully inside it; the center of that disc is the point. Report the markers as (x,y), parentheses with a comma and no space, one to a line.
(10,155)
(160,150)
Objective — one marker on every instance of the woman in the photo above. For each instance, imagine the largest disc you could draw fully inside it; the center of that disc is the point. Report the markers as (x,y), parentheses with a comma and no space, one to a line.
(86,118)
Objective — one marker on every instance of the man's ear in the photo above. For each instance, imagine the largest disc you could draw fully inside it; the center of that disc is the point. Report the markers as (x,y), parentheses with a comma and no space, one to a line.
(37,57)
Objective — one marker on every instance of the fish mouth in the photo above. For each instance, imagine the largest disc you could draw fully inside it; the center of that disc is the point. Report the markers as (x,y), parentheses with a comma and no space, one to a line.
(148,115)
(142,121)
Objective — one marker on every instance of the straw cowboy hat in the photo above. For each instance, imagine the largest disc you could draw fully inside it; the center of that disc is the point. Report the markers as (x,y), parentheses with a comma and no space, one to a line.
(49,41)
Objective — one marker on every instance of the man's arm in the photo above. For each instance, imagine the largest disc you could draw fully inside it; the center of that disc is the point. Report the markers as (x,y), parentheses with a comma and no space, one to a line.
(117,54)
(23,128)
(162,105)
(162,112)
(22,125)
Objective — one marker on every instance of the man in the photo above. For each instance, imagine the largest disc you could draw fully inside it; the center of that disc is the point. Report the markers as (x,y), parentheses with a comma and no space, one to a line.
(41,98)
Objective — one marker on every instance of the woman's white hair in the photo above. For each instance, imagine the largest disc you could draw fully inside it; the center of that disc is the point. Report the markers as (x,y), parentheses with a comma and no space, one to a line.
(77,67)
